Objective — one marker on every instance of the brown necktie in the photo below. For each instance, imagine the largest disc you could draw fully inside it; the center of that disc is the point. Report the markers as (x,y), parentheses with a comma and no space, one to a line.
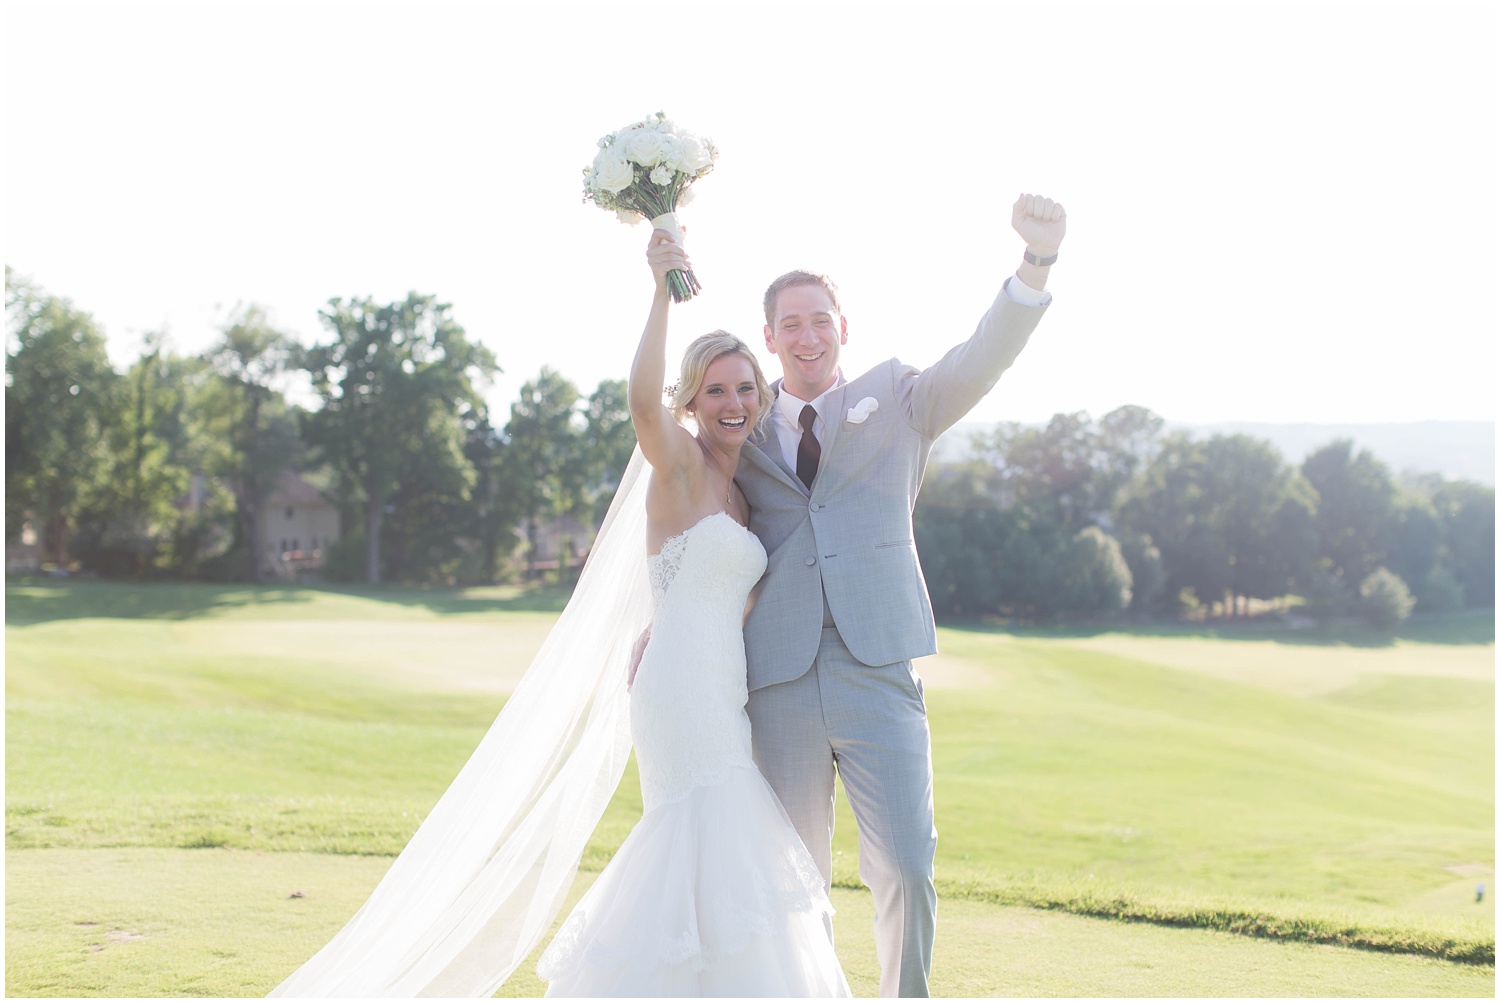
(808,450)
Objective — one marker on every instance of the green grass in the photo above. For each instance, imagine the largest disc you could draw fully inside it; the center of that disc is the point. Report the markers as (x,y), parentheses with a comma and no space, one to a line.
(1088,764)
(1327,787)
(153,922)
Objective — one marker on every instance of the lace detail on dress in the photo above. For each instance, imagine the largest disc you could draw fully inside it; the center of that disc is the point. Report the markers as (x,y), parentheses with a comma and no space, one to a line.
(662,567)
(560,959)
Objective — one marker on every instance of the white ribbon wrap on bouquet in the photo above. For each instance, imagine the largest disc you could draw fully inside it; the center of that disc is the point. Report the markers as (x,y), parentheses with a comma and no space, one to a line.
(668,221)
(481,881)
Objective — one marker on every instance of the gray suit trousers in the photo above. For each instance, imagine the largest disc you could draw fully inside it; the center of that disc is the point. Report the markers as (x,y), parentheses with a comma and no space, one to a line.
(870,724)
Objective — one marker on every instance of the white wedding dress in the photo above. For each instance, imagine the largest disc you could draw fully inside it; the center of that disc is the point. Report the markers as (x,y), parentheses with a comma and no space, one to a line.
(713,892)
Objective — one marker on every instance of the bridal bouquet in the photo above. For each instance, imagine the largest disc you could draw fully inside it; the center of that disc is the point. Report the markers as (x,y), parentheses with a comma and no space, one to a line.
(643,172)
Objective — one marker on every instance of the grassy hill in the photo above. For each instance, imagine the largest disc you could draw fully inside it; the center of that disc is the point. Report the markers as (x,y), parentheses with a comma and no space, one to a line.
(1333,788)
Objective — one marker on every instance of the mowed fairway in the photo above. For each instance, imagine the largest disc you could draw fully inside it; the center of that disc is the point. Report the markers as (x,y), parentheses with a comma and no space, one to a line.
(1272,814)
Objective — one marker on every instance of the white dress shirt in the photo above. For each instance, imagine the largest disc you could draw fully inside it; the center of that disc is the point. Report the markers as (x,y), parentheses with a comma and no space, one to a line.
(787,419)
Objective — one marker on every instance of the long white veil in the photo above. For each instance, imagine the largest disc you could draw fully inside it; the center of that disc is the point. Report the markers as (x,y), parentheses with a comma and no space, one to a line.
(483,878)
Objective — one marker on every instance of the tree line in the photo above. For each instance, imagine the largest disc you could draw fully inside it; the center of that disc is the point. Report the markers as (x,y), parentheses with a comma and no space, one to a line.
(1076,519)
(1083,518)
(163,470)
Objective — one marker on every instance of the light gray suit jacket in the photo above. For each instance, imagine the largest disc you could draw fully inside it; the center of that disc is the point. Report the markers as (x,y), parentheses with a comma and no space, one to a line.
(850,537)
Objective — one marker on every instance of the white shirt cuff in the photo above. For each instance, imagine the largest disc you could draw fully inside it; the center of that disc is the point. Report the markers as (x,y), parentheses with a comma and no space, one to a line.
(1023,294)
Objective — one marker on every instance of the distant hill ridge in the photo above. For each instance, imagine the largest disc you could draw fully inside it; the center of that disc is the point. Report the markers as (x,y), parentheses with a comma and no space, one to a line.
(1458,450)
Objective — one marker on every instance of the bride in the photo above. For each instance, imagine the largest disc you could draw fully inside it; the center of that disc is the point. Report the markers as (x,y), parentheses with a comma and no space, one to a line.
(712,893)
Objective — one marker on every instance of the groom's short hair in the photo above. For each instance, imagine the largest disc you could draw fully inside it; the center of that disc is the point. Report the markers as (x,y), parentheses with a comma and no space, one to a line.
(799,278)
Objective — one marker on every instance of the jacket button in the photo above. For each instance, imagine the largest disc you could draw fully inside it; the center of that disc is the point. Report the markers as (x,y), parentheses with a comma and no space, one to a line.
(815,506)
(811,561)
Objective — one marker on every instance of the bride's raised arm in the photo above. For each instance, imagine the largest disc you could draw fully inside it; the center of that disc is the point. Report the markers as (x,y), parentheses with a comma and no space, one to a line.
(667,446)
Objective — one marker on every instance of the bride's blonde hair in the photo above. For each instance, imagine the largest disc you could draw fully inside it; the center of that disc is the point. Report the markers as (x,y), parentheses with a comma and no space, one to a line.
(701,354)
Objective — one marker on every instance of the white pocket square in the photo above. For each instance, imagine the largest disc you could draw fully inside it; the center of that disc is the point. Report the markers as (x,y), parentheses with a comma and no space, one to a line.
(859,412)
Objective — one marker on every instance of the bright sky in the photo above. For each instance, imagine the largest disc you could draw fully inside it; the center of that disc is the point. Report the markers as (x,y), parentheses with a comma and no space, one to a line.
(1276,213)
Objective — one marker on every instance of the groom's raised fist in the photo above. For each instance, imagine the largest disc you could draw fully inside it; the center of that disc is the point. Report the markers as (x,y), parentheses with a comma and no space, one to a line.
(1041,222)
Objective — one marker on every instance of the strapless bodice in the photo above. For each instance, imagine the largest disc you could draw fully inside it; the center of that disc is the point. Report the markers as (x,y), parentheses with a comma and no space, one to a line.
(687,706)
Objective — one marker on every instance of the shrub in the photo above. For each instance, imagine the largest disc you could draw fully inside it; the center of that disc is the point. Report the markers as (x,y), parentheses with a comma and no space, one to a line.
(1384,599)
(1096,578)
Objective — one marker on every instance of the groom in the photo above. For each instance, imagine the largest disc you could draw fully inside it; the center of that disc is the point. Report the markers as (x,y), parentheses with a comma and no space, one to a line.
(843,608)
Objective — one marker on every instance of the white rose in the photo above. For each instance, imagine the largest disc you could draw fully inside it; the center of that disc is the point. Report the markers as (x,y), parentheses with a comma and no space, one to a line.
(693,155)
(685,196)
(671,150)
(663,175)
(611,174)
(644,147)
(617,140)
(628,216)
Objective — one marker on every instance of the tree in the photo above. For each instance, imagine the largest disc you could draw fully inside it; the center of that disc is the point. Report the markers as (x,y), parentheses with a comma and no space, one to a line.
(1227,514)
(1148,575)
(130,517)
(494,509)
(429,515)
(1167,505)
(1356,499)
(545,460)
(1127,439)
(1250,486)
(980,558)
(1467,512)
(258,431)
(1415,550)
(394,383)
(59,399)
(608,441)
(1072,470)
(1291,547)
(1050,470)
(959,533)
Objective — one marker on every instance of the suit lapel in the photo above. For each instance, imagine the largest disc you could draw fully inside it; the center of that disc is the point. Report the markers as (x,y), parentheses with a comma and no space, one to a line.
(833,412)
(768,455)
